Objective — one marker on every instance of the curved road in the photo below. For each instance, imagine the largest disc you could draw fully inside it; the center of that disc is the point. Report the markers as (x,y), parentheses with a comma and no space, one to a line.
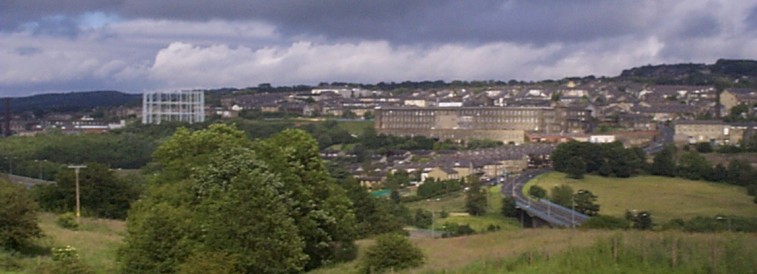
(543,209)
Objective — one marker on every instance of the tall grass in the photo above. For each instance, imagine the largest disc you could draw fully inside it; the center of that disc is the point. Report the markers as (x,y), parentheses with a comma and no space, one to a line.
(96,240)
(636,252)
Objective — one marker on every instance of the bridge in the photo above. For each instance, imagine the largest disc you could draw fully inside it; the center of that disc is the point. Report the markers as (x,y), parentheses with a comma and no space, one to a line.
(539,212)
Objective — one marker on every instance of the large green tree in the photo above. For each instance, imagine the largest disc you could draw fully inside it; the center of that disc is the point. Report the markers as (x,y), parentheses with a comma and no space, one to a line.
(585,202)
(102,193)
(664,163)
(576,168)
(372,215)
(244,211)
(604,159)
(270,205)
(694,166)
(322,212)
(740,172)
(475,200)
(562,195)
(509,209)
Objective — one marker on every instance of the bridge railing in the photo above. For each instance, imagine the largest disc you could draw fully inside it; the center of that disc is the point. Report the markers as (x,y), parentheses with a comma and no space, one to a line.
(560,208)
(546,210)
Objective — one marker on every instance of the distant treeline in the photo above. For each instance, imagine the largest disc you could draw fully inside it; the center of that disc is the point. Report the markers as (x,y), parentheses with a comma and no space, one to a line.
(724,73)
(72,101)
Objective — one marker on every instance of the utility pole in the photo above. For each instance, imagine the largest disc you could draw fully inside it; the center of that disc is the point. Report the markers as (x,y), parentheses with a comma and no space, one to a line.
(572,214)
(39,165)
(78,205)
(10,164)
(433,228)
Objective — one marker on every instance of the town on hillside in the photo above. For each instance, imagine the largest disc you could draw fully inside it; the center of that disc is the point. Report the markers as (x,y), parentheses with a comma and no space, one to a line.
(529,116)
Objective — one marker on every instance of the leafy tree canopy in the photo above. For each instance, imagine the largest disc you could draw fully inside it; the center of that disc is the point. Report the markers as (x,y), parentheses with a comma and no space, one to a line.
(270,205)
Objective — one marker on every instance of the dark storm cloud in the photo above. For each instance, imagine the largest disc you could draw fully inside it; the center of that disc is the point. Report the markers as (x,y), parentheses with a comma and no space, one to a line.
(15,13)
(53,26)
(54,45)
(699,26)
(398,21)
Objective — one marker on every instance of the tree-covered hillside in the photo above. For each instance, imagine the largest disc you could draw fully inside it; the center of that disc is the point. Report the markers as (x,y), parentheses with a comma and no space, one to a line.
(741,73)
(73,101)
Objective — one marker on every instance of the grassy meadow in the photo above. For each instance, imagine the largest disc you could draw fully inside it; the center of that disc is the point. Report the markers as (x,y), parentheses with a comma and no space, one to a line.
(355,127)
(666,198)
(454,204)
(96,241)
(581,251)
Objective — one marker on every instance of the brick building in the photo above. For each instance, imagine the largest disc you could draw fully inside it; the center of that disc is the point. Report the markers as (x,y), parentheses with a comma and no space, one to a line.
(506,124)
(713,131)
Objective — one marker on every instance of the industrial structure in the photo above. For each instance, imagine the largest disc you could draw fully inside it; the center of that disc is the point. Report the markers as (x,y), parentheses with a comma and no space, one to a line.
(169,106)
(506,124)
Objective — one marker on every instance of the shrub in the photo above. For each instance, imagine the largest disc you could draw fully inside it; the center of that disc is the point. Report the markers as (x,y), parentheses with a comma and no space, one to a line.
(508,207)
(704,147)
(562,195)
(8,262)
(640,220)
(344,251)
(465,230)
(703,224)
(751,190)
(423,218)
(391,252)
(605,222)
(68,221)
(18,217)
(537,192)
(66,261)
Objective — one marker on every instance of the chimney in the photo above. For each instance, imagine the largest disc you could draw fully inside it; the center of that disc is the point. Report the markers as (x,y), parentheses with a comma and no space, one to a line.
(7,123)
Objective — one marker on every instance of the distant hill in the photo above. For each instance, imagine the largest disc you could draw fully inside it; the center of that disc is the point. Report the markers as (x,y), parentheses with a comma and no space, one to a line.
(726,73)
(740,73)
(73,101)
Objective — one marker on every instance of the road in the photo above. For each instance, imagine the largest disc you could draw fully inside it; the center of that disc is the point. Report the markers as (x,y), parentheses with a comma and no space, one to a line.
(666,137)
(551,213)
(25,181)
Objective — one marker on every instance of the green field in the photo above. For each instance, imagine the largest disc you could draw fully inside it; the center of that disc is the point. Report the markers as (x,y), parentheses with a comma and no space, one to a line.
(355,127)
(666,198)
(455,203)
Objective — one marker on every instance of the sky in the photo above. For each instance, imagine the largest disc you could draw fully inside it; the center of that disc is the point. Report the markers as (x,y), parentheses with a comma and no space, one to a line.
(143,45)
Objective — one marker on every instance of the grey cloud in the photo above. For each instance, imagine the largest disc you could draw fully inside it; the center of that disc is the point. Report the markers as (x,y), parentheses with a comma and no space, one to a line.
(398,21)
(26,51)
(14,13)
(240,43)
(751,19)
(53,26)
(699,26)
